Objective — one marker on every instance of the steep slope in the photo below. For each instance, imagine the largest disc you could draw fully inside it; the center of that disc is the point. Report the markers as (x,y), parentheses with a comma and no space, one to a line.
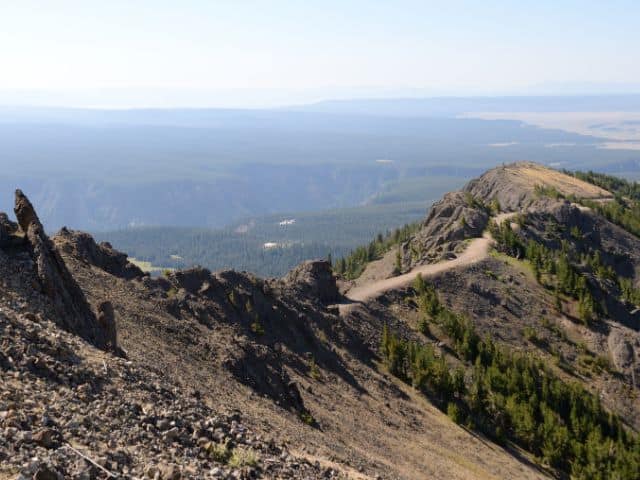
(272,349)
(223,375)
(560,286)
(201,374)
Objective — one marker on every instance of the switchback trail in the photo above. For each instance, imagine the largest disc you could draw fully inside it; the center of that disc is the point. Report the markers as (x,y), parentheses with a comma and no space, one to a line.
(476,251)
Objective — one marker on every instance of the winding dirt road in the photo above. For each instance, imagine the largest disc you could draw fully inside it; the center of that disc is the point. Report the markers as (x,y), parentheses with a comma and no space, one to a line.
(476,251)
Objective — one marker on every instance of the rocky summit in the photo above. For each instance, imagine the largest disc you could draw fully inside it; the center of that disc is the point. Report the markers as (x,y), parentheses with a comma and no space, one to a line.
(500,340)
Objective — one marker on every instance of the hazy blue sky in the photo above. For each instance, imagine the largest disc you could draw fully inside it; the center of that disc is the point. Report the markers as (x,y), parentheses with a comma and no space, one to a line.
(451,46)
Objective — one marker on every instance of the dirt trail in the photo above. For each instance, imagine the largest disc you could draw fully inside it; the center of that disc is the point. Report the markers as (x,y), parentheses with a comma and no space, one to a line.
(477,250)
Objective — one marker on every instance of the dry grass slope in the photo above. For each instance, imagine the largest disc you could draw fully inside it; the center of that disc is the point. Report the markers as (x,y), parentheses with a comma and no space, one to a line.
(528,175)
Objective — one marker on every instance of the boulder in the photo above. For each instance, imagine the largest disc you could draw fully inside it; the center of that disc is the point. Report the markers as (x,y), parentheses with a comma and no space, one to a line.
(107,322)
(314,278)
(192,279)
(621,351)
(47,438)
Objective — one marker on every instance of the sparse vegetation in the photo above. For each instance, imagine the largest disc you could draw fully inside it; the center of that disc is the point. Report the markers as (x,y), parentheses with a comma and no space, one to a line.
(629,293)
(219,452)
(514,397)
(623,209)
(453,412)
(547,191)
(172,292)
(307,418)
(243,457)
(314,370)
(613,184)
(559,267)
(257,328)
(530,334)
(353,265)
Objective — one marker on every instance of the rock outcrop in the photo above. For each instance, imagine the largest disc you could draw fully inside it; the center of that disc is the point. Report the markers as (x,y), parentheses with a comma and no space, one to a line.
(9,232)
(107,322)
(101,255)
(622,351)
(450,221)
(73,312)
(509,188)
(313,278)
(193,280)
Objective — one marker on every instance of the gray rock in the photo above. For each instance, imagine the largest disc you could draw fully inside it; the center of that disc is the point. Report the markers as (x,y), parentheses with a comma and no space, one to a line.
(73,311)
(103,255)
(314,278)
(107,322)
(621,350)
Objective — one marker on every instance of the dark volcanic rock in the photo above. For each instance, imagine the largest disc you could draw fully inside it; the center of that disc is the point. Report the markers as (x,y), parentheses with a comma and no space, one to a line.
(450,221)
(4,233)
(193,279)
(8,232)
(102,255)
(313,278)
(73,311)
(107,322)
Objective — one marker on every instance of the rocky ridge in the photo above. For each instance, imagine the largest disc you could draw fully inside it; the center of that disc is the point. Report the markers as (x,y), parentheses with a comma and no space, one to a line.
(226,375)
(465,214)
(72,409)
(68,410)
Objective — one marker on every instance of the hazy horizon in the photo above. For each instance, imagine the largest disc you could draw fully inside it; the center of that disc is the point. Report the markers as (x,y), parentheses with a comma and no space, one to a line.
(203,114)
(256,54)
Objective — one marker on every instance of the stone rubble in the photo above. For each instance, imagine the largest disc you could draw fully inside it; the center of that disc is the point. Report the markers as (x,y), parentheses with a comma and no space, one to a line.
(63,402)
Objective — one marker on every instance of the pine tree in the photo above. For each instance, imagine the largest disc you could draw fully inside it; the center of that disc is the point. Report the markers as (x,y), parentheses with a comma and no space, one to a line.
(398,266)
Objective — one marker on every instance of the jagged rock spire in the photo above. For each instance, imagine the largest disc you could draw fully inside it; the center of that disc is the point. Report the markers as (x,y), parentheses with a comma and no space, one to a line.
(73,311)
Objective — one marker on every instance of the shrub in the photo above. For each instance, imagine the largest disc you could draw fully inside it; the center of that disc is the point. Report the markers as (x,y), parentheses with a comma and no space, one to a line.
(423,326)
(314,371)
(397,269)
(307,418)
(453,412)
(219,452)
(172,292)
(243,457)
(257,328)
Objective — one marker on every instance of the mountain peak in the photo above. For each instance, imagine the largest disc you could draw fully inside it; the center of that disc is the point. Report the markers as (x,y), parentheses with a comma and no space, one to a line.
(516,185)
